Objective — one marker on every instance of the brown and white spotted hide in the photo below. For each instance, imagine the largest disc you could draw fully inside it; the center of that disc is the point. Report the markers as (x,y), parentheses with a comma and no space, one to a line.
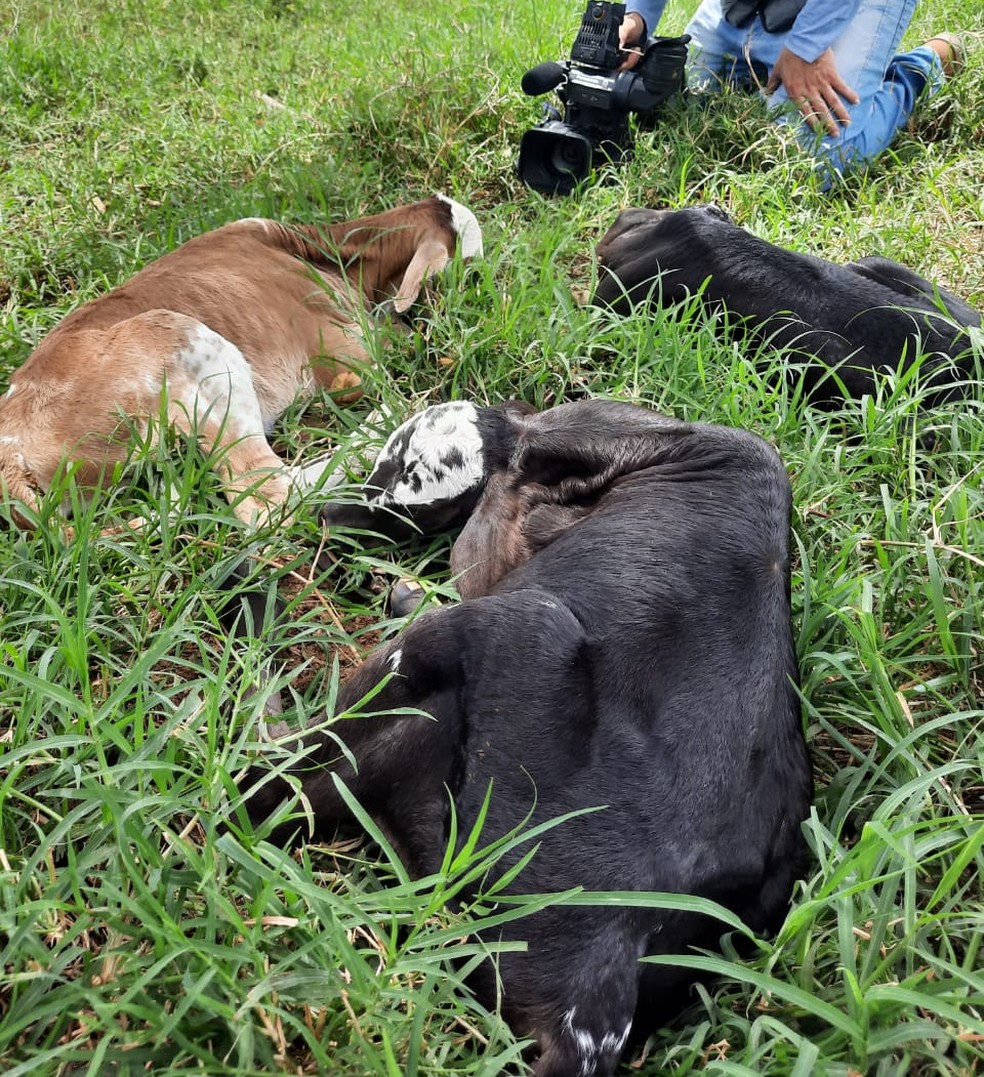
(220,336)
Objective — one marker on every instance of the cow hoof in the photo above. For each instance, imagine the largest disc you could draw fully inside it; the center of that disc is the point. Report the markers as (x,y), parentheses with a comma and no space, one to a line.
(405,597)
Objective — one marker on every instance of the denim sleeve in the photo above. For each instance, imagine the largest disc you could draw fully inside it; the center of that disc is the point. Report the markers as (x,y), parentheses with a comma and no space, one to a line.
(650,10)
(819,25)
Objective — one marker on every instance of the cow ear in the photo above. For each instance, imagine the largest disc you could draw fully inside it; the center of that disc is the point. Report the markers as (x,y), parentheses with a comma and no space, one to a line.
(429,258)
(578,449)
(491,544)
(564,461)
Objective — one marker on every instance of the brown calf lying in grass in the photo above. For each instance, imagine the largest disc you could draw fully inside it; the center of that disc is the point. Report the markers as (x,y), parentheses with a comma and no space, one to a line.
(219,336)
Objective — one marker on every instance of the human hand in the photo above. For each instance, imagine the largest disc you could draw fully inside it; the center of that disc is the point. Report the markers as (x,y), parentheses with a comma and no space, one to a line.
(816,89)
(630,40)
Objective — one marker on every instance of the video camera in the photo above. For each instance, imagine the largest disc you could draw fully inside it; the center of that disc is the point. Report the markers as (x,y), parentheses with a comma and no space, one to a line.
(558,153)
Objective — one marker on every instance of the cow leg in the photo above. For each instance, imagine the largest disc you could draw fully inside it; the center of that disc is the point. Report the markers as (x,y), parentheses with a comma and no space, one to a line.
(339,358)
(210,396)
(592,980)
(323,474)
(413,685)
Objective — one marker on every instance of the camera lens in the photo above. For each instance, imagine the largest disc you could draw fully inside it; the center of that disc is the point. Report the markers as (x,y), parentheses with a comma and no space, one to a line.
(567,156)
(554,158)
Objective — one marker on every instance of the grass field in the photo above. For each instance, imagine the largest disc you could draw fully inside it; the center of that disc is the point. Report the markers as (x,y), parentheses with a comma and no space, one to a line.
(137,934)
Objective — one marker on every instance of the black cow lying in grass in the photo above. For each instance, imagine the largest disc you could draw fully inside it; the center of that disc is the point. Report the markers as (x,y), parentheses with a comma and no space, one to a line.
(855,319)
(623,642)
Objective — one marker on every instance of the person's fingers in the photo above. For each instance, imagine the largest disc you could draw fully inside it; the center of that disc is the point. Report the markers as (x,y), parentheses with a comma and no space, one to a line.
(836,105)
(817,90)
(809,113)
(630,32)
(847,92)
(828,120)
(632,58)
(818,116)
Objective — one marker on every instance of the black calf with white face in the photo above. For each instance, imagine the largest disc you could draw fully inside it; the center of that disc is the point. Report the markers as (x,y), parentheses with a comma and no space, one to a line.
(625,644)
(868,315)
(432,469)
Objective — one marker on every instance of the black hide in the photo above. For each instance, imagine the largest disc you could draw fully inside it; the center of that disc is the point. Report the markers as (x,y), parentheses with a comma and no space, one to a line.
(624,643)
(868,315)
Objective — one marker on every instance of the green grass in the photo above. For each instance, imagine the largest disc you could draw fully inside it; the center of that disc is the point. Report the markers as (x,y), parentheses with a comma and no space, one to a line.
(143,926)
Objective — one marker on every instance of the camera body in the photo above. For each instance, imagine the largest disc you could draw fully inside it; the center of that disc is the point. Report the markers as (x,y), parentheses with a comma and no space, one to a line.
(560,152)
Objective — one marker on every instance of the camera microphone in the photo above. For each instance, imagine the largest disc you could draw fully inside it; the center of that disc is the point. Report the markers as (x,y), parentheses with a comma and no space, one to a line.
(543,78)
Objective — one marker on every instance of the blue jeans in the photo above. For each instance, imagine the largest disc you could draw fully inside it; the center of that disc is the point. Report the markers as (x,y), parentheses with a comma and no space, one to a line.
(888,83)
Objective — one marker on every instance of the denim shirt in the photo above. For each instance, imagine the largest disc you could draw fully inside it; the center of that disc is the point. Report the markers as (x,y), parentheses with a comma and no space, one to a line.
(817,27)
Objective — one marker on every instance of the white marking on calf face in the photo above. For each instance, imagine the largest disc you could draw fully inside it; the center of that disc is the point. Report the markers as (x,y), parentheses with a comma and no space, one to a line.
(465,223)
(434,456)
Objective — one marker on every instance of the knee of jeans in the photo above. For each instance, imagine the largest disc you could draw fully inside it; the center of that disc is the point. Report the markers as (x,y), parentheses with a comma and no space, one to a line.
(708,74)
(831,156)
(916,74)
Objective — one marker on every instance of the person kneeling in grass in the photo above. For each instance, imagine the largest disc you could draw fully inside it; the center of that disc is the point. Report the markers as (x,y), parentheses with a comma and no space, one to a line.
(829,67)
